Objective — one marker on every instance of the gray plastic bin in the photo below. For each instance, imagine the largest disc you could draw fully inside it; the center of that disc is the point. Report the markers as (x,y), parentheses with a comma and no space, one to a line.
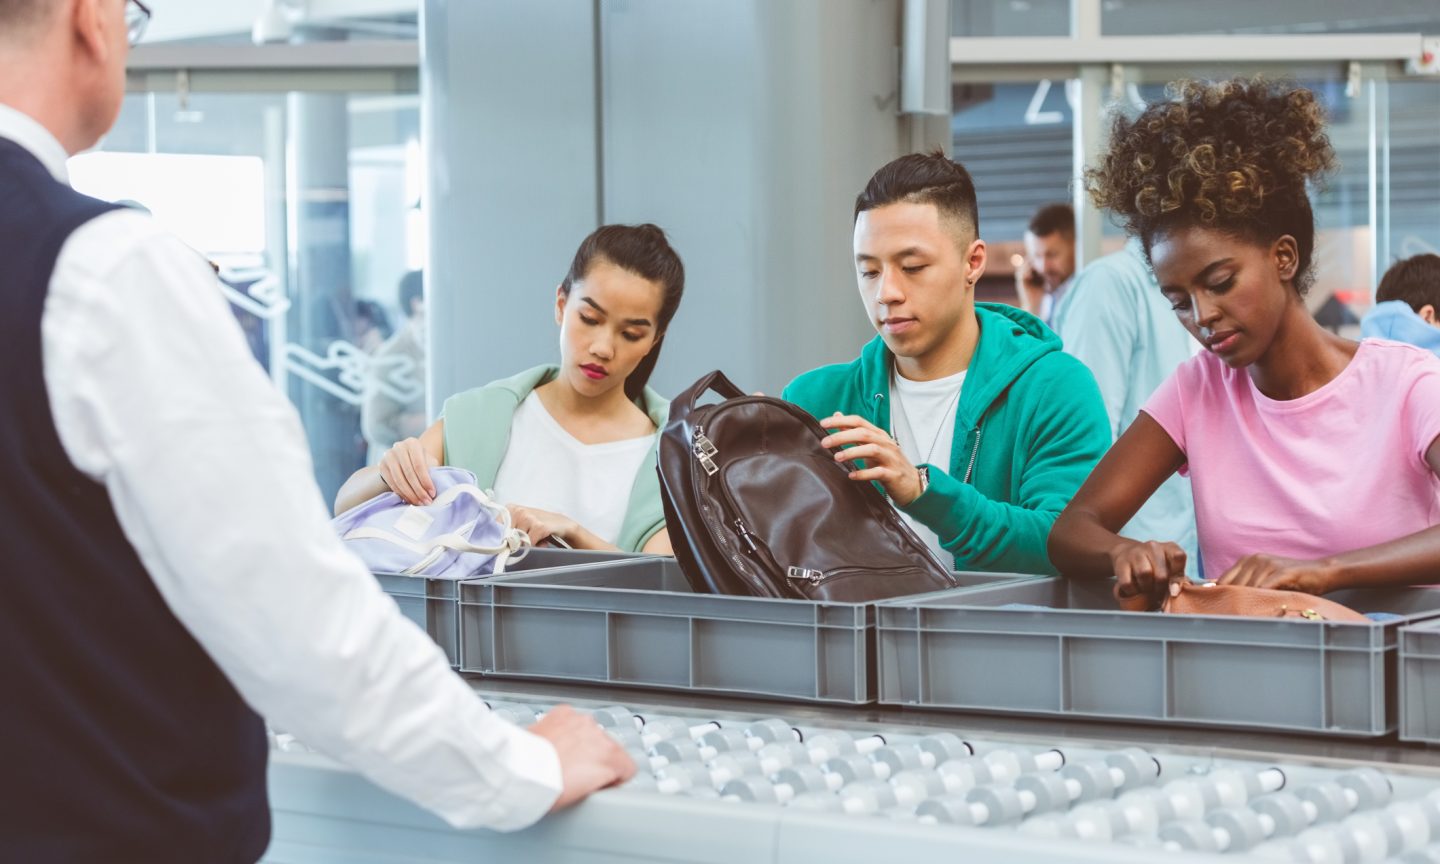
(1420,683)
(1081,657)
(638,624)
(434,603)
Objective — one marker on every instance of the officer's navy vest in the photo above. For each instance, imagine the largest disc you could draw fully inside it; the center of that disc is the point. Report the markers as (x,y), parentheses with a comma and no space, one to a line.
(120,740)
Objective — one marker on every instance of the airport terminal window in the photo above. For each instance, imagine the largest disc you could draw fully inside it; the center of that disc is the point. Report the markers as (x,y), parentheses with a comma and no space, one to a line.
(1016,138)
(1175,17)
(1414,169)
(1010,17)
(309,203)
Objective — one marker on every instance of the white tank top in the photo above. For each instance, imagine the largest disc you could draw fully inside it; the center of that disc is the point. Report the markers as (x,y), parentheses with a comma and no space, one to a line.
(545,467)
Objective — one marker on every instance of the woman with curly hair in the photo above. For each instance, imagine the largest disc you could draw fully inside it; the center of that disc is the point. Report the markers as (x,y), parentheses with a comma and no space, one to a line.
(1314,460)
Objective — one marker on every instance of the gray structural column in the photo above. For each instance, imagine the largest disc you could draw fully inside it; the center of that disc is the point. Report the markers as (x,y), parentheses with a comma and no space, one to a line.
(508,117)
(1087,126)
(744,129)
(323,305)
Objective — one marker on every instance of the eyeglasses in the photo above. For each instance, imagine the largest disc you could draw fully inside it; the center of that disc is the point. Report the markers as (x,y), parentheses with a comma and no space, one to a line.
(137,17)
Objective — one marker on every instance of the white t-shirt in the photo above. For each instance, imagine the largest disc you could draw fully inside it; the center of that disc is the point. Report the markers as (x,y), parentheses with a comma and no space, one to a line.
(923,420)
(545,467)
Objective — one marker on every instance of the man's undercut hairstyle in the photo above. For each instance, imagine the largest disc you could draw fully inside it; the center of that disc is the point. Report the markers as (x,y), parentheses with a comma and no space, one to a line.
(1416,280)
(1231,156)
(925,178)
(1052,218)
(18,17)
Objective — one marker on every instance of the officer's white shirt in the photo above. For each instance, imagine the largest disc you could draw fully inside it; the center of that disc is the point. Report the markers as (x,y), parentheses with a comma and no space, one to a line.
(156,397)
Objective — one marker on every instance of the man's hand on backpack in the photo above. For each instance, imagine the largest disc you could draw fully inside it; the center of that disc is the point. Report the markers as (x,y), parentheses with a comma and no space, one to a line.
(855,438)
(590,760)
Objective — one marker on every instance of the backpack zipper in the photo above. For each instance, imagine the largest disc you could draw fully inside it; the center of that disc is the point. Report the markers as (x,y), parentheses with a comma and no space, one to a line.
(745,534)
(800,574)
(705,450)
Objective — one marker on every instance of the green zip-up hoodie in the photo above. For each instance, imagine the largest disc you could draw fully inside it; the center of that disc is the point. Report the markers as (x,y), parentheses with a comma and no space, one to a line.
(1029,427)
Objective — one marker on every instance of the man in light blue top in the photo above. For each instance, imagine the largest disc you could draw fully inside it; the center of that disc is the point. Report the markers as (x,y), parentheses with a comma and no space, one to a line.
(1115,320)
(1407,304)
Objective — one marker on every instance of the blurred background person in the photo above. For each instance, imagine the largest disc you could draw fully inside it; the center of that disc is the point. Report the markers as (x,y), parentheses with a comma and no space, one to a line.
(1116,321)
(394,406)
(371,325)
(1407,304)
(1049,260)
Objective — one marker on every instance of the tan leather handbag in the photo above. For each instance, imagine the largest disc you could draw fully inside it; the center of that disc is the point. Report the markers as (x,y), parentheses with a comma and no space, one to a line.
(1209,598)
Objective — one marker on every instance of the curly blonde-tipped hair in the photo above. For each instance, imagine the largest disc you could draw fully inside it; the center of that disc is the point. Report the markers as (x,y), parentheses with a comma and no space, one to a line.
(1233,156)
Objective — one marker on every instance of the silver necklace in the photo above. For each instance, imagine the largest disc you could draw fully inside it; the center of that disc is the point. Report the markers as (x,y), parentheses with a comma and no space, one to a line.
(900,403)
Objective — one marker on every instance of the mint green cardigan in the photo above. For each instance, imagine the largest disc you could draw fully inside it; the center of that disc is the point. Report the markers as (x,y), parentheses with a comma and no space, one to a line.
(477,434)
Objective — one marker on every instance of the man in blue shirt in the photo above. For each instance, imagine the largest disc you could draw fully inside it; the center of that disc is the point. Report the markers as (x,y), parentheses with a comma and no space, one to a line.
(1115,320)
(1407,304)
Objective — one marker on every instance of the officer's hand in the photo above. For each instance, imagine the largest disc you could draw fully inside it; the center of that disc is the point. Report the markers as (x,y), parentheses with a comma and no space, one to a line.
(590,759)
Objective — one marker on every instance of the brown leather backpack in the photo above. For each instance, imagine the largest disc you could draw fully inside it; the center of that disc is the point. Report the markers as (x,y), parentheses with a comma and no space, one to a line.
(755,506)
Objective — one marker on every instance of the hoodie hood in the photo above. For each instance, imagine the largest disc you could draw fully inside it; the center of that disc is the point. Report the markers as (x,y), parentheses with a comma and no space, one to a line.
(1011,341)
(1394,319)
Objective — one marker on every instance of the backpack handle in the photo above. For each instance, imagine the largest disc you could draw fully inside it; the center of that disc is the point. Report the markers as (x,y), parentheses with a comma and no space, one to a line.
(715,382)
(514,543)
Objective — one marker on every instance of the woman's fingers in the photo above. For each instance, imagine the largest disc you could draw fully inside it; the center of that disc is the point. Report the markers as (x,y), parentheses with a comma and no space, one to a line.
(416,476)
(392,472)
(1126,586)
(405,468)
(420,462)
(525,519)
(1153,569)
(1175,567)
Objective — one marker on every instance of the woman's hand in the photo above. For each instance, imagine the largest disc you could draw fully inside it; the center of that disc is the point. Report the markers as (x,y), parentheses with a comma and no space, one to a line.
(1152,569)
(884,463)
(405,468)
(1272,571)
(541,525)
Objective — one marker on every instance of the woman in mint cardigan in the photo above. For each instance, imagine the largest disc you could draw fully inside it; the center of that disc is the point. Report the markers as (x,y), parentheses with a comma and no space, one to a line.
(570,449)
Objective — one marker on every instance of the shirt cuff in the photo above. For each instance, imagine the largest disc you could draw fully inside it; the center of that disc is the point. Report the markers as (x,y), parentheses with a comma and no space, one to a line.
(535,765)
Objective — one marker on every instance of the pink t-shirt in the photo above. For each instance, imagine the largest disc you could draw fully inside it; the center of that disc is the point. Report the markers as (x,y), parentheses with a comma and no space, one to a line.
(1335,470)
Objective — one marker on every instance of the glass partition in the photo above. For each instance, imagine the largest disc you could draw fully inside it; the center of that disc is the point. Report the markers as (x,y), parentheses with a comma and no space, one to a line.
(309,206)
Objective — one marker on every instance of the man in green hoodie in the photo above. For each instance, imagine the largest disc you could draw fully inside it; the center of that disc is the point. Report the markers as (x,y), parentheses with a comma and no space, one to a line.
(1003,426)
